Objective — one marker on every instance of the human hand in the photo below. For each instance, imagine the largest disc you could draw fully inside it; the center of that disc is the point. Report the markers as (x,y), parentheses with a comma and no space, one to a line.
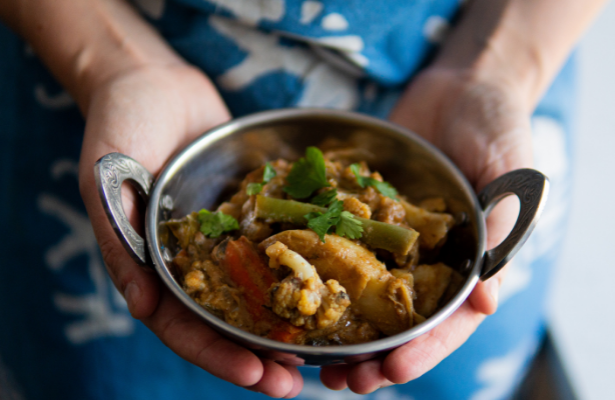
(483,126)
(149,114)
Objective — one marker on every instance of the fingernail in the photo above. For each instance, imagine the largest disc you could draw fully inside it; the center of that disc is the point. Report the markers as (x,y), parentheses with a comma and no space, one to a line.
(493,287)
(131,294)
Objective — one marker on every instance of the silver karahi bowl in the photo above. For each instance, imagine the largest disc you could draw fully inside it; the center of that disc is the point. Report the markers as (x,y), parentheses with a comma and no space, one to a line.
(211,167)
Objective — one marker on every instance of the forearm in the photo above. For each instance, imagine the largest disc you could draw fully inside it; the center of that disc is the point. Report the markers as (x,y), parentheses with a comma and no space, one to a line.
(86,42)
(523,42)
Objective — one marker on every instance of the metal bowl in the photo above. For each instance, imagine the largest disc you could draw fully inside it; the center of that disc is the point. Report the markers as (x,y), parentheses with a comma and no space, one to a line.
(211,167)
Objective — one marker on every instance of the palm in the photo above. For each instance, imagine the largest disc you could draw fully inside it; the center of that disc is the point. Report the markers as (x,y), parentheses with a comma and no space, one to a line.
(482,128)
(149,115)
(485,131)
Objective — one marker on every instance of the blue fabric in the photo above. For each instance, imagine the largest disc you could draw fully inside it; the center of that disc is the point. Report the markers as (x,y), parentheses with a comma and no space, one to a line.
(65,332)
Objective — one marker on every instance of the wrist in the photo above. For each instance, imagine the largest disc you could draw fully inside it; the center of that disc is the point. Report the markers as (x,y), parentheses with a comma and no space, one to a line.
(496,53)
(512,61)
(87,44)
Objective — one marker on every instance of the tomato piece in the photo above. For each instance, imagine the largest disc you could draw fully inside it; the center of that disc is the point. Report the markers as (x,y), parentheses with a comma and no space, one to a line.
(250,272)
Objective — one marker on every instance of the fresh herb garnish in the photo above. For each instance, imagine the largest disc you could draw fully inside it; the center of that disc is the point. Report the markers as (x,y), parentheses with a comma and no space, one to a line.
(349,226)
(307,175)
(384,188)
(215,224)
(325,198)
(268,174)
(344,222)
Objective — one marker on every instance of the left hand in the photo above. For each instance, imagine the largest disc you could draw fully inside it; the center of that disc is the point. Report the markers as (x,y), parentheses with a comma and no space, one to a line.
(150,113)
(483,126)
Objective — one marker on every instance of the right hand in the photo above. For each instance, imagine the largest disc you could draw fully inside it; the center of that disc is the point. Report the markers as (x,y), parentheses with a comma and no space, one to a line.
(483,124)
(150,113)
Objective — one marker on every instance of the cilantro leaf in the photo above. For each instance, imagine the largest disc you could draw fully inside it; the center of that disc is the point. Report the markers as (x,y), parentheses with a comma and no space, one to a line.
(307,175)
(344,222)
(322,223)
(385,188)
(254,188)
(214,224)
(268,174)
(349,226)
(361,180)
(325,198)
(336,208)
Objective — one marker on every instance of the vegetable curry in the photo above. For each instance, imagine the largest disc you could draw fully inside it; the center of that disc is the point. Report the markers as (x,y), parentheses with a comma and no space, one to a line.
(321,251)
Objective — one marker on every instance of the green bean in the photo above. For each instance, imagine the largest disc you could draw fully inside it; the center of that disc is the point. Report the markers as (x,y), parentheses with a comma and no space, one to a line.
(376,234)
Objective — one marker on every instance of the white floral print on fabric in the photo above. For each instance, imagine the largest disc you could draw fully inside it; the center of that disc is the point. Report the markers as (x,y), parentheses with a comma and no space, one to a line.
(9,389)
(436,29)
(309,11)
(550,154)
(348,46)
(314,390)
(325,86)
(97,317)
(58,101)
(334,22)
(253,11)
(518,277)
(499,375)
(347,43)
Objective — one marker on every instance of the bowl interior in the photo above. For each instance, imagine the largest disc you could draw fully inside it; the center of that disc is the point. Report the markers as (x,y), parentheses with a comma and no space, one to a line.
(210,169)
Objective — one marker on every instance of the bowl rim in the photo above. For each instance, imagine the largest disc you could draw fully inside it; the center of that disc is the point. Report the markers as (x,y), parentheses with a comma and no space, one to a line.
(260,343)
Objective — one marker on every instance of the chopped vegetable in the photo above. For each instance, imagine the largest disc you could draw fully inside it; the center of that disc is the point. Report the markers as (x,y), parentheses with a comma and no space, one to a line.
(344,222)
(376,234)
(250,272)
(215,224)
(254,188)
(302,297)
(325,198)
(268,174)
(384,188)
(349,226)
(373,290)
(285,332)
(307,175)
(322,222)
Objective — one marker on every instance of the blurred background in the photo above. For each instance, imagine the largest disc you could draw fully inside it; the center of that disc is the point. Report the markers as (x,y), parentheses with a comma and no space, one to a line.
(582,299)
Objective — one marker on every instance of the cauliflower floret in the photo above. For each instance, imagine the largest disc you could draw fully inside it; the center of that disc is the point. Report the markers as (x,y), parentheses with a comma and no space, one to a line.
(302,297)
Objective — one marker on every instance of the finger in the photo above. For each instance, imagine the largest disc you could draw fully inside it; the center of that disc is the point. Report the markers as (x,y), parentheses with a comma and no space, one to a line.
(366,377)
(484,297)
(182,331)
(276,381)
(139,285)
(335,376)
(415,358)
(297,382)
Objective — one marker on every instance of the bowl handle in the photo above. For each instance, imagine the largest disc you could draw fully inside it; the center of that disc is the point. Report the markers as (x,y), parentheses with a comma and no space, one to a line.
(110,172)
(531,187)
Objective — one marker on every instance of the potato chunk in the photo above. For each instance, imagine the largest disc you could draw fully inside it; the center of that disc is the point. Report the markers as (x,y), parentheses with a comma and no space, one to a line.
(431,283)
(432,227)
